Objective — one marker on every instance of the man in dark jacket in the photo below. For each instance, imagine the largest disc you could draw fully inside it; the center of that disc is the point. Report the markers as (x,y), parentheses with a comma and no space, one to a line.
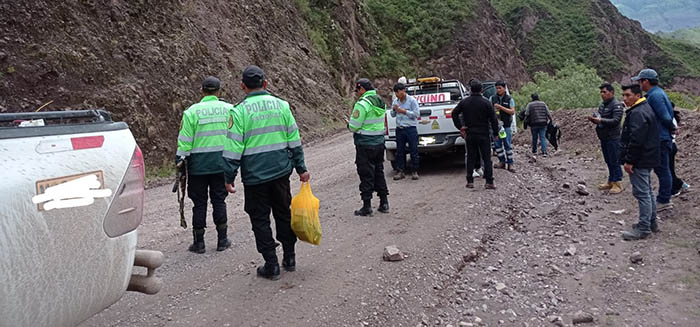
(648,80)
(640,154)
(480,123)
(607,120)
(537,116)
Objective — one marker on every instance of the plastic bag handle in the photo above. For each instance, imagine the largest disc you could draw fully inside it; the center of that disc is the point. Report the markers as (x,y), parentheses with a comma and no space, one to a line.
(305,188)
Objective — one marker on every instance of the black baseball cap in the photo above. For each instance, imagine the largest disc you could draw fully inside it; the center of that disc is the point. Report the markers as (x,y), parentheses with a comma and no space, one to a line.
(365,83)
(253,76)
(211,84)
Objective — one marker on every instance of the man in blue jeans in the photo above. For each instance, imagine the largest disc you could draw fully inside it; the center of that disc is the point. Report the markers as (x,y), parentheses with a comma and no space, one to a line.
(639,145)
(648,80)
(538,116)
(607,120)
(405,109)
(505,107)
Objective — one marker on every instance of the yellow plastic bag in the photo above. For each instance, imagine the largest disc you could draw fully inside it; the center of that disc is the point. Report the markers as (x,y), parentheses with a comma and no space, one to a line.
(305,222)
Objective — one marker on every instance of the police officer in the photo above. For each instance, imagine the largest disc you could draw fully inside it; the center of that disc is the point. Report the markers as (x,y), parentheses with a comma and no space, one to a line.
(263,141)
(367,124)
(201,142)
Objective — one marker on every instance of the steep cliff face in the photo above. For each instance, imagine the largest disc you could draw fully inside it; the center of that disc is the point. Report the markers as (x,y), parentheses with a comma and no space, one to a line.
(144,60)
(482,48)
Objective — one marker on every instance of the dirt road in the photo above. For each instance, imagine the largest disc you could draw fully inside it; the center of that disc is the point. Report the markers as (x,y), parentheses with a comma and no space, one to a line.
(532,253)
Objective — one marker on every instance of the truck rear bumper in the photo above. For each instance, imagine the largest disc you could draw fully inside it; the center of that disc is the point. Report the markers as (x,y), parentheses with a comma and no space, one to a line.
(442,143)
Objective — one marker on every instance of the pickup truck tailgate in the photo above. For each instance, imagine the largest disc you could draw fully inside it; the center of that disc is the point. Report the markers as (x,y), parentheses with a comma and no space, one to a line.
(47,248)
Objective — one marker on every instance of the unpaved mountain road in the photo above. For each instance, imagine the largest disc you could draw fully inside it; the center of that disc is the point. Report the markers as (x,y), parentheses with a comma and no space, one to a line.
(474,257)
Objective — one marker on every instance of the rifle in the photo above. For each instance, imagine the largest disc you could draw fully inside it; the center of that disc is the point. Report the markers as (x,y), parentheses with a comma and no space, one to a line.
(180,186)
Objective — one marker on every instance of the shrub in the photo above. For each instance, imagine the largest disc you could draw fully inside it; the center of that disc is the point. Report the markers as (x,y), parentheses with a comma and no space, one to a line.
(573,86)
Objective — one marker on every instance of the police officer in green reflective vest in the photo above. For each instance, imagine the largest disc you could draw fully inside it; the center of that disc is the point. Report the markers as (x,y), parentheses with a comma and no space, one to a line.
(367,125)
(201,142)
(263,141)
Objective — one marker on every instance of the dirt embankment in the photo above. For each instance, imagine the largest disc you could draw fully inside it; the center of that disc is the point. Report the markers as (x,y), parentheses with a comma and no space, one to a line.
(145,60)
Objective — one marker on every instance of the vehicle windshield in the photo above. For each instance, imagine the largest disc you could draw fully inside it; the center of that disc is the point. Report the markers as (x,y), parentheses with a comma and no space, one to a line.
(452,87)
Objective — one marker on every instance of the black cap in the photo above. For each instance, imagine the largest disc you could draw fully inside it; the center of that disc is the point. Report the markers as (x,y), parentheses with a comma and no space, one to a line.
(365,83)
(253,76)
(535,96)
(211,84)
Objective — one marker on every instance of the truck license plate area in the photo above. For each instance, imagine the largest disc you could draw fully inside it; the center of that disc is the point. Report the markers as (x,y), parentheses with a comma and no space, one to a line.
(43,185)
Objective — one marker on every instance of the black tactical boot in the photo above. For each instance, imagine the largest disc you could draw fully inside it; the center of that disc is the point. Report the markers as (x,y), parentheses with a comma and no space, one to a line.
(198,244)
(366,209)
(289,259)
(223,242)
(271,268)
(383,204)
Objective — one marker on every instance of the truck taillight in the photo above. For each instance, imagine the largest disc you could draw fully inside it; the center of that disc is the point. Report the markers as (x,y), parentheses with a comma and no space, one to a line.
(386,125)
(448,113)
(126,210)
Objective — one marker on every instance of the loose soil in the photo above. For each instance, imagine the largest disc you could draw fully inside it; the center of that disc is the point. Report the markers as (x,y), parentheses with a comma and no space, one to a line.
(473,257)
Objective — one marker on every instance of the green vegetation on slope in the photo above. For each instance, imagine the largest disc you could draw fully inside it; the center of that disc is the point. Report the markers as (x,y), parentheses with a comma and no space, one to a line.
(690,35)
(410,31)
(564,31)
(576,86)
(401,34)
(685,53)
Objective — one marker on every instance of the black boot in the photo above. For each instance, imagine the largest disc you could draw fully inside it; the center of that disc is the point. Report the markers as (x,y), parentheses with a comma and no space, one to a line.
(383,204)
(198,244)
(271,268)
(366,209)
(289,259)
(223,242)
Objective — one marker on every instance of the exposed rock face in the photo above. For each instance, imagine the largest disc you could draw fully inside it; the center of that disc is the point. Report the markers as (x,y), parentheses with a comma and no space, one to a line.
(145,60)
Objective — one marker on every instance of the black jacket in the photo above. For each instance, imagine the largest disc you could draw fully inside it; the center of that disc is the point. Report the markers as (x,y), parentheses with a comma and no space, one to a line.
(537,114)
(504,101)
(610,119)
(477,114)
(639,143)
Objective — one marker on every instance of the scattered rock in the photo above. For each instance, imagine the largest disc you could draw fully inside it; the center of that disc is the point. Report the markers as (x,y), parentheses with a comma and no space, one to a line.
(566,186)
(581,190)
(559,233)
(392,253)
(618,212)
(500,287)
(582,183)
(471,256)
(636,257)
(582,202)
(581,317)
(570,251)
(556,320)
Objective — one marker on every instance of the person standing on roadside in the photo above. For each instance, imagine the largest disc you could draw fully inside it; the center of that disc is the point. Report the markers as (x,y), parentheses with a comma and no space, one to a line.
(504,104)
(640,154)
(405,109)
(479,124)
(263,141)
(678,186)
(538,116)
(199,144)
(648,80)
(607,120)
(367,126)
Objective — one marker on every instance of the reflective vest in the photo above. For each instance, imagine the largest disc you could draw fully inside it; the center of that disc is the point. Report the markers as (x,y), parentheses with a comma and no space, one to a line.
(203,134)
(367,120)
(263,140)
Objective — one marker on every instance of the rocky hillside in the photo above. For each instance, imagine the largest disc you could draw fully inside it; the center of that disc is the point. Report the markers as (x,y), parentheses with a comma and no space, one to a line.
(143,60)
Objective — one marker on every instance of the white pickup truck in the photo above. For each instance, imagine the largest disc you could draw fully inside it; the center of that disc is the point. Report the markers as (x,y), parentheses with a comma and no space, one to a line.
(436,100)
(72,198)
